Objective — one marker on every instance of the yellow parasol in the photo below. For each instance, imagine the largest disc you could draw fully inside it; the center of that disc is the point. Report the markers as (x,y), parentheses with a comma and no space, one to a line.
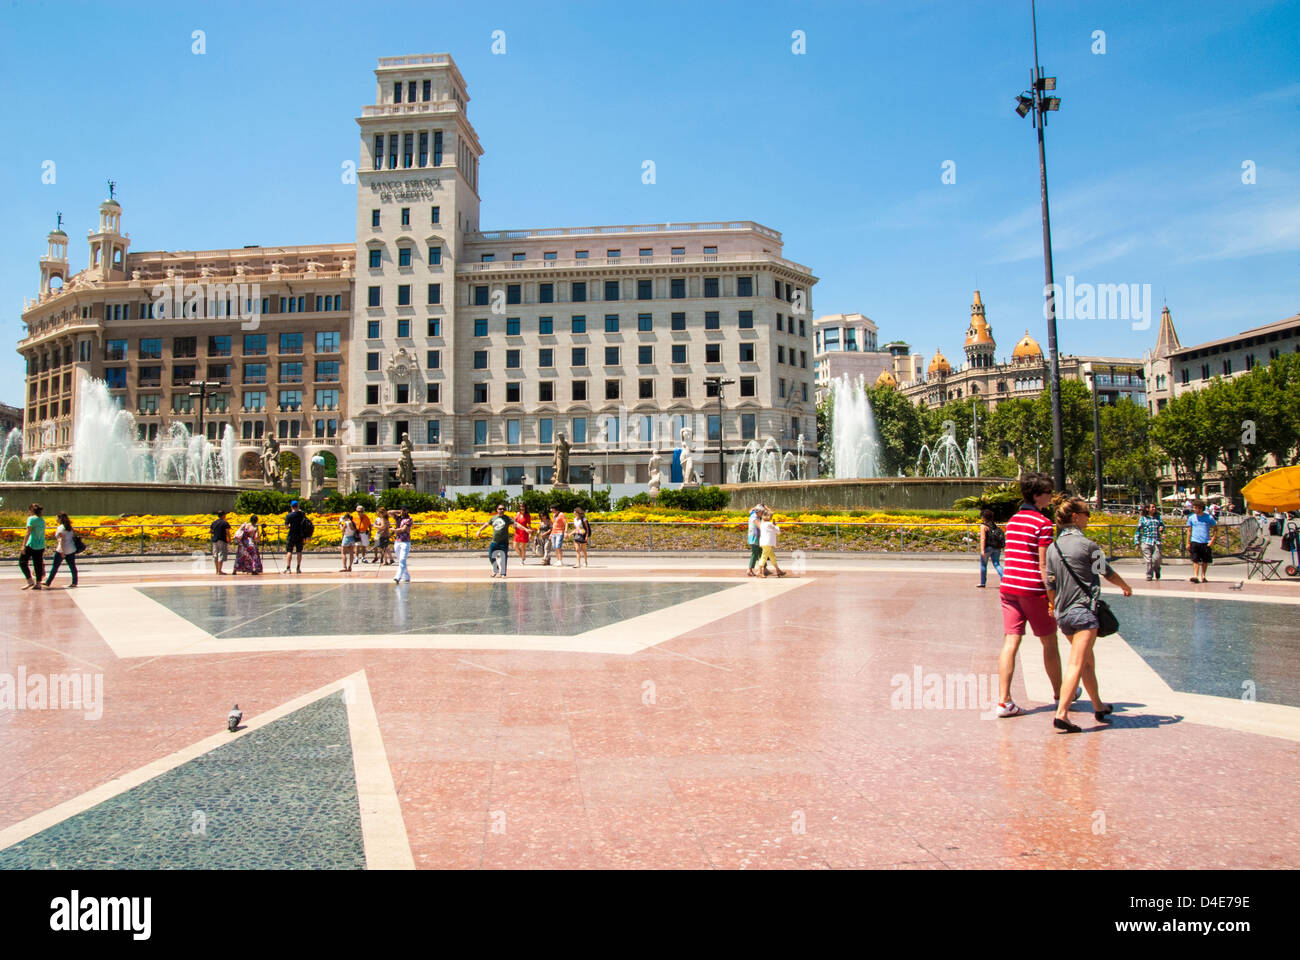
(1275,490)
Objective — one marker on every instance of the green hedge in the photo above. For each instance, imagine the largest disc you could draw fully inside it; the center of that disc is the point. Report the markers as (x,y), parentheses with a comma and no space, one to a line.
(263,502)
(694,498)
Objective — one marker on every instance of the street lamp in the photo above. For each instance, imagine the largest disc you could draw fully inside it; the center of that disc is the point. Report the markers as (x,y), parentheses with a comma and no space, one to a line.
(1034,99)
(718,383)
(1096,435)
(202,393)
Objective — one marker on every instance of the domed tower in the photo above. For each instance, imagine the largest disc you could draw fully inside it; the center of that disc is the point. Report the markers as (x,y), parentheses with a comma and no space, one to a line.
(980,344)
(1027,350)
(886,379)
(54,265)
(939,366)
(108,244)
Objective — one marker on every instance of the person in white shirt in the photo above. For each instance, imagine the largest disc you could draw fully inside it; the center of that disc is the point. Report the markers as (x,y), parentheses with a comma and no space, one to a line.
(65,549)
(767,534)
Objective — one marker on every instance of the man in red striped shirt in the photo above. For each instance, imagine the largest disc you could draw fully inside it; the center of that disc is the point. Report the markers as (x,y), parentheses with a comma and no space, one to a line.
(1023,593)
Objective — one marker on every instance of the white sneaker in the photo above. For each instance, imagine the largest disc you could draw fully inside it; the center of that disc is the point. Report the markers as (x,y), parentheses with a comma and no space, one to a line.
(1009,709)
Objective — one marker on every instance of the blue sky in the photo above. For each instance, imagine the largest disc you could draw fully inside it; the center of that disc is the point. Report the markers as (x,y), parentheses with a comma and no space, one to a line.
(841,148)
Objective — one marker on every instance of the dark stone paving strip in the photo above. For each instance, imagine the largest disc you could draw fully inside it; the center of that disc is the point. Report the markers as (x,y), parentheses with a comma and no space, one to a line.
(284,796)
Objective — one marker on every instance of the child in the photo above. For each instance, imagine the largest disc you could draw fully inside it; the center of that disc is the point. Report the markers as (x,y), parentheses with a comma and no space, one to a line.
(767,534)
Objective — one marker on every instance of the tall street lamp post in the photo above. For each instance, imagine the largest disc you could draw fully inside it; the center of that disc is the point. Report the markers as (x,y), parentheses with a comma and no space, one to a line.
(202,393)
(1096,436)
(719,383)
(1034,99)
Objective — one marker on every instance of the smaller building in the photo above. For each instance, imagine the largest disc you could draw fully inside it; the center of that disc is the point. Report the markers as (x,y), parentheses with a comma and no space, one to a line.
(845,345)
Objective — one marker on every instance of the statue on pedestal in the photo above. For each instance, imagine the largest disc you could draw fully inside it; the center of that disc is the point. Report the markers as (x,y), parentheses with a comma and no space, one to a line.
(656,478)
(689,477)
(271,461)
(286,481)
(560,462)
(406,465)
(317,475)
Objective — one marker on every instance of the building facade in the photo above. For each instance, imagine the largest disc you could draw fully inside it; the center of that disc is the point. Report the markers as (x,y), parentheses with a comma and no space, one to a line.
(480,347)
(844,345)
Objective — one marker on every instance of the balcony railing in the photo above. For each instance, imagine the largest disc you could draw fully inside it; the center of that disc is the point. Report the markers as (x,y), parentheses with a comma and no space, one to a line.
(637,228)
(505,266)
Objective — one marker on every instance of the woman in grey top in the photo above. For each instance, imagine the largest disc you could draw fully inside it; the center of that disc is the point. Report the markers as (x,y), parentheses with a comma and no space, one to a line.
(1073,601)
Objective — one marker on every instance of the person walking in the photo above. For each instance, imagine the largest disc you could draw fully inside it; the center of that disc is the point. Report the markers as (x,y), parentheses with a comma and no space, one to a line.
(1074,566)
(992,540)
(383,537)
(65,549)
(1023,593)
(1147,537)
(219,534)
(751,537)
(348,541)
(767,535)
(33,547)
(402,540)
(523,532)
(363,533)
(1199,540)
(248,559)
(559,525)
(499,548)
(295,525)
(581,537)
(544,537)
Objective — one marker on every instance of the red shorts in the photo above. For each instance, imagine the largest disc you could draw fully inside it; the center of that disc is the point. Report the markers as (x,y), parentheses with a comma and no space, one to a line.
(1032,607)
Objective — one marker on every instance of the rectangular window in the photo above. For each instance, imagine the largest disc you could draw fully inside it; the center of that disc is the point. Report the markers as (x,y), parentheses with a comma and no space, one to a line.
(545,325)
(220,346)
(677,288)
(546,293)
(746,353)
(679,251)
(546,357)
(746,320)
(747,387)
(579,429)
(747,426)
(435,256)
(512,326)
(403,395)
(580,254)
(404,295)
(151,348)
(715,427)
(578,291)
(645,389)
(546,392)
(379,151)
(291,343)
(644,289)
(487,258)
(291,372)
(404,328)
(713,353)
(518,257)
(480,359)
(546,430)
(437,152)
(678,321)
(780,354)
(803,358)
(679,388)
(435,327)
(611,356)
(514,391)
(374,219)
(644,322)
(512,360)
(372,297)
(611,323)
(744,286)
(781,388)
(647,252)
(290,400)
(435,293)
(514,293)
(254,344)
(327,371)
(480,295)
(327,341)
(550,255)
(480,393)
(579,358)
(480,433)
(611,289)
(711,321)
(780,326)
(578,324)
(435,432)
(578,389)
(645,354)
(433,360)
(372,393)
(372,360)
(406,215)
(480,327)
(255,373)
(327,399)
(432,393)
(372,329)
(372,434)
(424,148)
(512,434)
(803,390)
(710,287)
(613,254)
(255,401)
(679,353)
(435,214)
(403,256)
(181,373)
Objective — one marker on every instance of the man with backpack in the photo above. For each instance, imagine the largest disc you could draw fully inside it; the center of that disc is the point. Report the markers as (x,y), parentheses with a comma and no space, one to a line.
(992,540)
(300,528)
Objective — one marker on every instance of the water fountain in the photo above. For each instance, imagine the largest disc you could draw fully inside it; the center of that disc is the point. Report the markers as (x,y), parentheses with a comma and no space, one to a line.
(111,470)
(855,441)
(947,459)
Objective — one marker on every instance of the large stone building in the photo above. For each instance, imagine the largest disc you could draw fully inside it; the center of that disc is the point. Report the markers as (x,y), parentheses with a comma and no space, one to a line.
(482,346)
(1024,374)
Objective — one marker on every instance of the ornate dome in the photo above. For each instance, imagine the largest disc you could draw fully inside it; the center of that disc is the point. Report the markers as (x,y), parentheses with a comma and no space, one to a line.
(979,330)
(886,379)
(939,365)
(1027,348)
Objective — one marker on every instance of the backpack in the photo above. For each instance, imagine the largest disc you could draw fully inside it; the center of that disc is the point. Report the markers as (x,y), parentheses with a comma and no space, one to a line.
(995,539)
(308,528)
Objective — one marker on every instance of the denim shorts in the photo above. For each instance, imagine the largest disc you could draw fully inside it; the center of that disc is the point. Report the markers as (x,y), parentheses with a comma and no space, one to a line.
(1076,619)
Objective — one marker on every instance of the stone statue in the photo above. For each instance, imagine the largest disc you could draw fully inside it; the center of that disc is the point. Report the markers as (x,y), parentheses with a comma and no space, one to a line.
(689,477)
(317,475)
(286,481)
(656,478)
(271,461)
(560,462)
(405,465)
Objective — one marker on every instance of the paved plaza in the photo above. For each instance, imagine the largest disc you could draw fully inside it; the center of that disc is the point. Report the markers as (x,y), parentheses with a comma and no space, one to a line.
(643,712)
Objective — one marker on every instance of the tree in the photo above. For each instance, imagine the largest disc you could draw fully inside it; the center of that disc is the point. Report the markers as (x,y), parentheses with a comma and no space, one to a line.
(1183,429)
(825,417)
(898,421)
(1076,430)
(1126,451)
(1016,432)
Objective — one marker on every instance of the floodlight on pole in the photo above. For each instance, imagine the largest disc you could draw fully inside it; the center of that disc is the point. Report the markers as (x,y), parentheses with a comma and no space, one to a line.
(718,383)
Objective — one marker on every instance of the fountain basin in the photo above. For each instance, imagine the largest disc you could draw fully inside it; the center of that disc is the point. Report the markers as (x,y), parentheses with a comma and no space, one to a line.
(112,499)
(883,493)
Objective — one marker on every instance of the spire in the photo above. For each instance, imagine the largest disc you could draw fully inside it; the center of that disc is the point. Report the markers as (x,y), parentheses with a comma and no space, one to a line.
(1167,339)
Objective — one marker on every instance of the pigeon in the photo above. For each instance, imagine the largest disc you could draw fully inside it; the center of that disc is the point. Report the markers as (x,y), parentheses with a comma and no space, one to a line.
(233,718)
(1237,586)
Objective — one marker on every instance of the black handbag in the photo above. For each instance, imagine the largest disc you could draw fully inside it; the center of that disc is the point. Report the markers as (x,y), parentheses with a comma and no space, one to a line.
(78,545)
(1107,622)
